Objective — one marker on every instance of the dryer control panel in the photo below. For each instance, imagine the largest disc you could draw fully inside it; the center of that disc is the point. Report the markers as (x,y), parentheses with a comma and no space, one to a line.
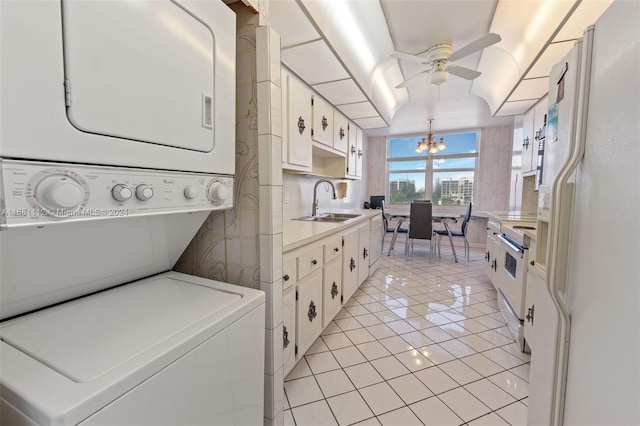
(39,193)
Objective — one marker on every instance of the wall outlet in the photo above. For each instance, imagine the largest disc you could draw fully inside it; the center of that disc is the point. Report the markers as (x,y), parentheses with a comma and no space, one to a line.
(285,197)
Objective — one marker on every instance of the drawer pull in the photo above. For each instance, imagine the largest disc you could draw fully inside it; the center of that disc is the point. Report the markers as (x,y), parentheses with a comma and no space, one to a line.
(529,316)
(312,311)
(494,265)
(365,253)
(487,255)
(314,262)
(285,336)
(334,290)
(301,125)
(336,249)
(352,265)
(286,277)
(325,123)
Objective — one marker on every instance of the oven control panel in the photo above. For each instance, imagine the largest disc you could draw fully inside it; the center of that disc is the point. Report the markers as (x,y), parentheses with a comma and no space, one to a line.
(38,192)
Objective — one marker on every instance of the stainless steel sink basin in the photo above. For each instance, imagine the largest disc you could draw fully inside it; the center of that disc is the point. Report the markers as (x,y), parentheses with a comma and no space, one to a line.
(329,217)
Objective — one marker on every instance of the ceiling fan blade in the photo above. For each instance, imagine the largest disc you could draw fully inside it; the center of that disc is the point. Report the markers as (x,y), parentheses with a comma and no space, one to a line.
(463,72)
(406,82)
(408,57)
(473,47)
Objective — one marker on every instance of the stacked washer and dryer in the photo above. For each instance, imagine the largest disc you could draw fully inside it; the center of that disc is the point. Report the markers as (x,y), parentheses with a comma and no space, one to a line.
(117,139)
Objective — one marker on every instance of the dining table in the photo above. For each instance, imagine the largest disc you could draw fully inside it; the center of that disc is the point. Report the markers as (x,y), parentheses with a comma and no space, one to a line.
(401,214)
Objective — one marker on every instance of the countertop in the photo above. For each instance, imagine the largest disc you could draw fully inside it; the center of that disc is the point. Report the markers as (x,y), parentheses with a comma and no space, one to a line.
(297,233)
(515,216)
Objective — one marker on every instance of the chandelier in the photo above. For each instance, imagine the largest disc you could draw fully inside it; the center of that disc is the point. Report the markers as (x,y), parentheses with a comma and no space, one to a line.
(430,145)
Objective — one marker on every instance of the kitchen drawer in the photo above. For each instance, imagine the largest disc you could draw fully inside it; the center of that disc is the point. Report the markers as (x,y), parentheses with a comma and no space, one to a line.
(332,248)
(309,261)
(289,276)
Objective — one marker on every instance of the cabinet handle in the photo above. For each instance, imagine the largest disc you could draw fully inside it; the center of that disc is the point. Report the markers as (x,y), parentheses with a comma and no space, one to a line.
(325,123)
(365,253)
(529,315)
(525,143)
(532,263)
(352,264)
(487,255)
(353,149)
(334,290)
(314,262)
(285,334)
(286,277)
(341,133)
(494,264)
(336,249)
(359,153)
(301,126)
(312,311)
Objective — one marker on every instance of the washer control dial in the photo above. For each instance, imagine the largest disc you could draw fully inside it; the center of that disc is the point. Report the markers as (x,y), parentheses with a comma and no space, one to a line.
(144,192)
(218,192)
(121,192)
(60,192)
(190,192)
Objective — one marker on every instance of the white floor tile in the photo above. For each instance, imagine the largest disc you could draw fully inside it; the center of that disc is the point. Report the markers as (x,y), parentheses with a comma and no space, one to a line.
(315,414)
(472,325)
(416,339)
(401,417)
(491,419)
(363,375)
(400,326)
(349,408)
(522,371)
(368,319)
(482,365)
(515,414)
(348,324)
(331,328)
(288,418)
(359,335)
(334,383)
(455,330)
(389,367)
(349,356)
(512,384)
(381,398)
(436,334)
(302,391)
(503,358)
(433,412)
(436,354)
(373,350)
(356,310)
(494,337)
(373,421)
(336,341)
(317,347)
(436,380)
(414,360)
(460,372)
(395,344)
(464,404)
(381,331)
(457,348)
(387,316)
(419,323)
(324,361)
(490,394)
(300,370)
(410,388)
(477,343)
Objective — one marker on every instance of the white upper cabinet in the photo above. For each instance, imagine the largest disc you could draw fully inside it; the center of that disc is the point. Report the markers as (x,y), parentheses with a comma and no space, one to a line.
(352,150)
(340,131)
(527,142)
(298,124)
(359,151)
(322,121)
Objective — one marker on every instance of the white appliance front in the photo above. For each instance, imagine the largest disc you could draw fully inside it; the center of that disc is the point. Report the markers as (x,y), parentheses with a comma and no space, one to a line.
(170,349)
(128,83)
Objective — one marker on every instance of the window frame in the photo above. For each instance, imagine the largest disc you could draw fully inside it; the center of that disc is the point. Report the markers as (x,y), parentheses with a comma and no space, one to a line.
(429,171)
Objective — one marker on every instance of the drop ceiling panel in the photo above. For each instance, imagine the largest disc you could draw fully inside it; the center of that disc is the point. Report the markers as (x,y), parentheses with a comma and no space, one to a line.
(314,63)
(358,110)
(586,14)
(516,107)
(288,20)
(341,92)
(551,56)
(370,123)
(534,88)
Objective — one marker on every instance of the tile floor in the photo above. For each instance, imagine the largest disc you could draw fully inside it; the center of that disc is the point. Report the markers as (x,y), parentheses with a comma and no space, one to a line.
(419,343)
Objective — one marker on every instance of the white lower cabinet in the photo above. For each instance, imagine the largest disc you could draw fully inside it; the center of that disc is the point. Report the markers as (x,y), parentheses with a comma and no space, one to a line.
(289,328)
(332,290)
(309,311)
(375,243)
(364,252)
(350,263)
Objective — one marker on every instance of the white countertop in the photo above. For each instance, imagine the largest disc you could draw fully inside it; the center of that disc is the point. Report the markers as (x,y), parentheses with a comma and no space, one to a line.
(297,233)
(515,216)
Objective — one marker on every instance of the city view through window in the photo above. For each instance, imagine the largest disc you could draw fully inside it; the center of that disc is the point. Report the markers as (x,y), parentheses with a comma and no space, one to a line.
(446,178)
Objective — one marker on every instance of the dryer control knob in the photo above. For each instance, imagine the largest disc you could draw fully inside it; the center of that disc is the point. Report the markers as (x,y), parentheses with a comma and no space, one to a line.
(121,192)
(60,192)
(144,192)
(218,192)
(190,192)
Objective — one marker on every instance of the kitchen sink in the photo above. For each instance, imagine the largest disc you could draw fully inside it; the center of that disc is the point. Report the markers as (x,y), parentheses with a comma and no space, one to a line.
(329,217)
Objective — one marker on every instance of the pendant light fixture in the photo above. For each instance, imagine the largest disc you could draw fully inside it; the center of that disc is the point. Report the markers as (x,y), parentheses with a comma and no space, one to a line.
(429,144)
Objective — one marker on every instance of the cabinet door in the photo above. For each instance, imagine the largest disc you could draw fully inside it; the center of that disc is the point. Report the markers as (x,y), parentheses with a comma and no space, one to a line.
(322,121)
(289,328)
(489,257)
(534,285)
(340,131)
(309,318)
(363,252)
(359,151)
(528,143)
(332,290)
(289,276)
(352,150)
(299,123)
(349,264)
(375,243)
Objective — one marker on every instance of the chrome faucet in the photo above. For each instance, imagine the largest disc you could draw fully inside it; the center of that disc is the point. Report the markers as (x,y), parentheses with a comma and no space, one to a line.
(314,209)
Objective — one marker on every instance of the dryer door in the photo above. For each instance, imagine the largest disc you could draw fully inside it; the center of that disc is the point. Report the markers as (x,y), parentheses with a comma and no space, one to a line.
(141,71)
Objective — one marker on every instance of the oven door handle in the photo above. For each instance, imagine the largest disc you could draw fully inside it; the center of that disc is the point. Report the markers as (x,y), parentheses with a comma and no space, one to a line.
(511,245)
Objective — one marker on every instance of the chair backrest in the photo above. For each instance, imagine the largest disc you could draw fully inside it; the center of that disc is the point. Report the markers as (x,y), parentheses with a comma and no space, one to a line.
(420,220)
(375,201)
(465,221)
(385,219)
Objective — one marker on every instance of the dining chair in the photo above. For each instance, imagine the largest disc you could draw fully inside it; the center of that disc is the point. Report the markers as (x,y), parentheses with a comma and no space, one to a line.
(420,225)
(454,233)
(387,228)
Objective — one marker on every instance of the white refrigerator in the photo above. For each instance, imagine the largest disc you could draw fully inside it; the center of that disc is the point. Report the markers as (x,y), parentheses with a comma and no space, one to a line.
(585,284)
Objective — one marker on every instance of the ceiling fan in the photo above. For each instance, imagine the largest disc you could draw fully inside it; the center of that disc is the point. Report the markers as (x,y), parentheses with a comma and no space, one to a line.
(440,56)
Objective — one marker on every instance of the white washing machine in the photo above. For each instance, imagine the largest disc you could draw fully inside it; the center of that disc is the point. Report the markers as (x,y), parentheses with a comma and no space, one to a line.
(116,142)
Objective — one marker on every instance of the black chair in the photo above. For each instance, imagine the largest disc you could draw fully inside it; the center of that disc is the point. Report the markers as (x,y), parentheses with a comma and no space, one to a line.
(387,228)
(462,233)
(375,201)
(420,225)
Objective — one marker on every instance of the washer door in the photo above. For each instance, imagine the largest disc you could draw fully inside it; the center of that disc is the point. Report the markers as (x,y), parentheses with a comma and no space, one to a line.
(139,70)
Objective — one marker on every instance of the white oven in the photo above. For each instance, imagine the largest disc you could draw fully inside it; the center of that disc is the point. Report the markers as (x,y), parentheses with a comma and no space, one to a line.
(128,83)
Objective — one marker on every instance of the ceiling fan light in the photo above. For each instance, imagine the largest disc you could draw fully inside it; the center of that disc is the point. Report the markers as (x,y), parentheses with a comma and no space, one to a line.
(433,150)
(441,145)
(438,77)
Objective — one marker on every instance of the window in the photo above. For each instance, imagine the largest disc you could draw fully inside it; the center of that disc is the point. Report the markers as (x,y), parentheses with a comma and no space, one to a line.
(446,178)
